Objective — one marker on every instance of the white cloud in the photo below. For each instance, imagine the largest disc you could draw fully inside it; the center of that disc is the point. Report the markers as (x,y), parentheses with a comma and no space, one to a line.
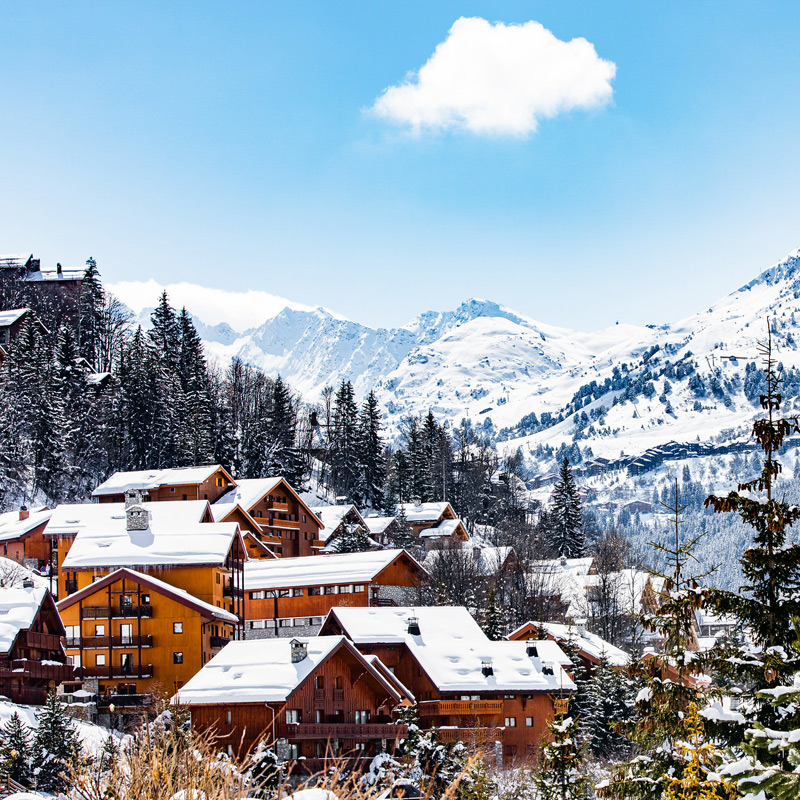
(497,79)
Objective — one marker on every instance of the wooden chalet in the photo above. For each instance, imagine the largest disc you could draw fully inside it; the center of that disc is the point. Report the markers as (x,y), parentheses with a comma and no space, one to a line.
(32,658)
(293,595)
(434,523)
(383,530)
(337,520)
(22,537)
(282,520)
(11,322)
(207,482)
(314,699)
(469,687)
(58,282)
(131,637)
(587,646)
(177,543)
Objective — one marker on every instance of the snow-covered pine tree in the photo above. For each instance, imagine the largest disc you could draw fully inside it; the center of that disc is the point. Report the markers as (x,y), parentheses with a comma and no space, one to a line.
(16,742)
(768,604)
(565,526)
(353,539)
(371,453)
(197,445)
(345,470)
(559,774)
(403,537)
(669,687)
(282,431)
(56,745)
(493,625)
(91,307)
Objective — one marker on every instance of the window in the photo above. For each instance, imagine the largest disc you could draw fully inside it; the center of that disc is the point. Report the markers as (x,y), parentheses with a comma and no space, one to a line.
(319,716)
(257,595)
(127,600)
(74,661)
(283,592)
(257,623)
(509,696)
(286,623)
(337,682)
(73,631)
(345,590)
(358,588)
(219,481)
(126,662)
(99,630)
(146,599)
(172,489)
(229,717)
(126,633)
(297,592)
(528,722)
(362,717)
(177,627)
(100,659)
(292,716)
(316,620)
(186,497)
(319,682)
(292,751)
(330,589)
(304,517)
(313,591)
(177,658)
(511,722)
(470,697)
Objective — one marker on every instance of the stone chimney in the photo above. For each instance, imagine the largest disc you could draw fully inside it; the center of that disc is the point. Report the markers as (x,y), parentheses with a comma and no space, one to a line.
(133,497)
(137,518)
(299,650)
(580,624)
(23,512)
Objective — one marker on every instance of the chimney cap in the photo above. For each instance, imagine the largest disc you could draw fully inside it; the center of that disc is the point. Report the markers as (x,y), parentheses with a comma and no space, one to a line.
(27,583)
(413,626)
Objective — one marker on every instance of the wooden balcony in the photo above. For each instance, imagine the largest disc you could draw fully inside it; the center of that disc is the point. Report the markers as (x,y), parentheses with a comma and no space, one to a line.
(39,641)
(26,669)
(117,612)
(475,708)
(471,735)
(218,642)
(341,731)
(117,671)
(102,642)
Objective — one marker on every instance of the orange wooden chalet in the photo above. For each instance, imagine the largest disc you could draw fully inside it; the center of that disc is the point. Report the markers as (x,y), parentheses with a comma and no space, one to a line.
(314,699)
(178,483)
(174,542)
(32,658)
(131,637)
(22,537)
(499,695)
(297,593)
(280,518)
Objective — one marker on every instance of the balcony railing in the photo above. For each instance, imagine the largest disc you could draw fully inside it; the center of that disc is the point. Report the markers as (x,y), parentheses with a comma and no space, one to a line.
(117,671)
(40,641)
(338,695)
(218,642)
(341,731)
(471,735)
(35,670)
(117,612)
(466,707)
(101,642)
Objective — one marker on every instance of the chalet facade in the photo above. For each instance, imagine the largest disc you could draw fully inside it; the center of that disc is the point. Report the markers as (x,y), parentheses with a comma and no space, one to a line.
(318,698)
(131,636)
(293,595)
(174,542)
(383,530)
(434,523)
(32,658)
(22,538)
(58,282)
(495,694)
(207,482)
(283,521)
(338,520)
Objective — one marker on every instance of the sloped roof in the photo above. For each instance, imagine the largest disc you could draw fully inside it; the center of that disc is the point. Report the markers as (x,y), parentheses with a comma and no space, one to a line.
(12,527)
(319,570)
(146,479)
(424,512)
(377,525)
(174,536)
(18,610)
(14,260)
(452,649)
(332,516)
(11,316)
(262,671)
(179,595)
(249,491)
(52,274)
(445,529)
(488,560)
(590,643)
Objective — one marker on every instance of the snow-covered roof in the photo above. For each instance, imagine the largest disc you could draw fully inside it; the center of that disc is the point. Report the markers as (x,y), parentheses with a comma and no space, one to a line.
(589,643)
(13,573)
(181,595)
(174,536)
(453,650)
(146,479)
(14,260)
(262,671)
(318,570)
(377,525)
(445,529)
(12,527)
(66,274)
(18,610)
(11,316)
(401,688)
(424,512)
(332,516)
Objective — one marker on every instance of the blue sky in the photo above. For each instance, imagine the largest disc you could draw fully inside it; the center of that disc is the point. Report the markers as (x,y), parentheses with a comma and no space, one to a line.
(232,145)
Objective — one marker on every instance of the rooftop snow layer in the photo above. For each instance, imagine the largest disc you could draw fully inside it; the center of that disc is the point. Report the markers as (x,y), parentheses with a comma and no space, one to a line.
(316,570)
(590,643)
(246,494)
(423,512)
(12,527)
(18,609)
(11,316)
(147,479)
(377,525)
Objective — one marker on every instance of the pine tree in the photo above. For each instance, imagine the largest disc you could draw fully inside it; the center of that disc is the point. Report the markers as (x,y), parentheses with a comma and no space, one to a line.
(344,465)
(16,743)
(566,517)
(493,625)
(559,774)
(371,453)
(669,687)
(91,307)
(353,539)
(403,536)
(770,601)
(197,444)
(56,745)
(281,430)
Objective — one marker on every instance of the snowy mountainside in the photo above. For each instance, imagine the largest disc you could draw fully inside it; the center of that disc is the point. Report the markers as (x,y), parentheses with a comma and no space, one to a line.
(535,386)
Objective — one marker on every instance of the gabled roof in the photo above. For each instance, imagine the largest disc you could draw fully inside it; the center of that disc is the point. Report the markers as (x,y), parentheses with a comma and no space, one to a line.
(175,536)
(251,538)
(332,517)
(444,530)
(66,274)
(262,671)
(11,316)
(425,512)
(249,492)
(146,479)
(15,260)
(179,595)
(377,525)
(18,610)
(452,649)
(401,688)
(589,644)
(321,570)
(12,527)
